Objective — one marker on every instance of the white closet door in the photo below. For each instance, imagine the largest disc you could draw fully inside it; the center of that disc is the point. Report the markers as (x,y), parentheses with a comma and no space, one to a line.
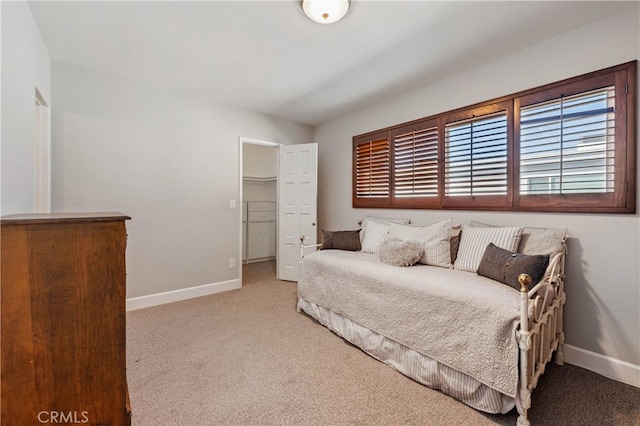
(297,205)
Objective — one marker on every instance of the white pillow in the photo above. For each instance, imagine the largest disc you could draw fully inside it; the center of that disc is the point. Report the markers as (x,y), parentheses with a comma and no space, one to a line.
(474,241)
(374,236)
(383,220)
(434,238)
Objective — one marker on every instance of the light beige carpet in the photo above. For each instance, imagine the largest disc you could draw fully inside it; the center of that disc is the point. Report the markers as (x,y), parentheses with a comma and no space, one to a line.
(246,357)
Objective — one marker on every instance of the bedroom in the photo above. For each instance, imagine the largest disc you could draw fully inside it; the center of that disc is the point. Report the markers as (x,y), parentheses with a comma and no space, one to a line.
(169,160)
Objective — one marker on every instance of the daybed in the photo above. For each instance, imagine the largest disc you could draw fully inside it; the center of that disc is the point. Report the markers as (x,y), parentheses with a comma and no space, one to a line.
(462,319)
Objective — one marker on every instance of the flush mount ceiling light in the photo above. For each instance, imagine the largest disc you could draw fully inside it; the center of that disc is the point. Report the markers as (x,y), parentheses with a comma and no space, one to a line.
(325,11)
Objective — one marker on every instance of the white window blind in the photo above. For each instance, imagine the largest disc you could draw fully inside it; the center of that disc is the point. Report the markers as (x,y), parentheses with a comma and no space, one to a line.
(372,169)
(476,156)
(567,144)
(416,163)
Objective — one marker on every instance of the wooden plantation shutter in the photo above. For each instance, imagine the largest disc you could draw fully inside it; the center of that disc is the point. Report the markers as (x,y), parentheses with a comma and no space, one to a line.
(567,144)
(476,157)
(371,167)
(575,150)
(416,165)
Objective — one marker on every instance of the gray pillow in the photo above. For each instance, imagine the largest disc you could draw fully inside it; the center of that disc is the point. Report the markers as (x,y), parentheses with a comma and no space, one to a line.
(505,266)
(394,251)
(341,240)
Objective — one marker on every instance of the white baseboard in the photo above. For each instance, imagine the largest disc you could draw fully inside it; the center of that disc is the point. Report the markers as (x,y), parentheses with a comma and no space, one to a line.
(182,294)
(613,368)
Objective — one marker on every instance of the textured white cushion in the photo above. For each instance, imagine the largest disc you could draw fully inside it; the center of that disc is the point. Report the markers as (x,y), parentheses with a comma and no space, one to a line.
(394,251)
(434,238)
(474,241)
(375,234)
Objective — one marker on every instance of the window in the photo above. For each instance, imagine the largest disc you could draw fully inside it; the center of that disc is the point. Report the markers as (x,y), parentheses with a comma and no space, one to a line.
(577,145)
(416,163)
(372,166)
(569,141)
(567,146)
(476,157)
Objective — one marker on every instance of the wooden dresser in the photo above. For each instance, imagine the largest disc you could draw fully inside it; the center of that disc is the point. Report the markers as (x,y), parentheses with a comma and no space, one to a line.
(63,319)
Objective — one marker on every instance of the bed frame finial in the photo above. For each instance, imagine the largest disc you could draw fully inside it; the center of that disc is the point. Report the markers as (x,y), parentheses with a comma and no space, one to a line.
(525,281)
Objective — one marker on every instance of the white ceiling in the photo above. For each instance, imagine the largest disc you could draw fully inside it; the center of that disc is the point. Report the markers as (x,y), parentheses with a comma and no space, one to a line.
(268,57)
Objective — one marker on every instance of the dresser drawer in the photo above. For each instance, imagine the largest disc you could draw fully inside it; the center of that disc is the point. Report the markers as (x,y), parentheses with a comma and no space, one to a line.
(262,216)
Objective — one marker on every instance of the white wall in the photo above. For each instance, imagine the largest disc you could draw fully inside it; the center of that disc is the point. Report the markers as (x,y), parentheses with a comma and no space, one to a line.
(26,65)
(260,191)
(169,161)
(603,284)
(259,162)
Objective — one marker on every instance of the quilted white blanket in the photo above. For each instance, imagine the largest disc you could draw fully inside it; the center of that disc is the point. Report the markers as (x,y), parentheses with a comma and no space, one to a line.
(458,318)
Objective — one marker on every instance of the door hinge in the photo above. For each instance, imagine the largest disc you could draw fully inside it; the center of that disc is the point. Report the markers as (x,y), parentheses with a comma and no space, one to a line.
(626,88)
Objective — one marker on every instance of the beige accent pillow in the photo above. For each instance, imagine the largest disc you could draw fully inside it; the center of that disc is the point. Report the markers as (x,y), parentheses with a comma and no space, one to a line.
(434,238)
(542,241)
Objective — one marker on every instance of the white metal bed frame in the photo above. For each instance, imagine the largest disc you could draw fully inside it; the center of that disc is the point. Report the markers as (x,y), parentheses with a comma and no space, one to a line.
(540,338)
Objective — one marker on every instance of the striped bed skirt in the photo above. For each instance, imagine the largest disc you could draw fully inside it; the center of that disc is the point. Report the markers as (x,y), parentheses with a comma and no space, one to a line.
(411,363)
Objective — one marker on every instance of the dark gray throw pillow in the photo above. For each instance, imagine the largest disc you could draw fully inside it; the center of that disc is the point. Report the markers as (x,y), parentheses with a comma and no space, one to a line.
(341,240)
(505,266)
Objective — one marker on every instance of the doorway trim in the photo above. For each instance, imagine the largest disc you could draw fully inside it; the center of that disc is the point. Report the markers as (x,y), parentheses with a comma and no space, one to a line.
(241,142)
(42,155)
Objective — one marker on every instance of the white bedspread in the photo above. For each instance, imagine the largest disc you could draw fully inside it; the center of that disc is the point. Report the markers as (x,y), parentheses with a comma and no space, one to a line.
(458,318)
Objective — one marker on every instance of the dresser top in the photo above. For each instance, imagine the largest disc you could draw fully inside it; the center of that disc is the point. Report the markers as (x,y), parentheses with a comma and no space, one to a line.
(62,217)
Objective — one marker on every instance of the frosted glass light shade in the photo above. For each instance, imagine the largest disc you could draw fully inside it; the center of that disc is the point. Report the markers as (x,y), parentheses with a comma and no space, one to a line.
(325,11)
